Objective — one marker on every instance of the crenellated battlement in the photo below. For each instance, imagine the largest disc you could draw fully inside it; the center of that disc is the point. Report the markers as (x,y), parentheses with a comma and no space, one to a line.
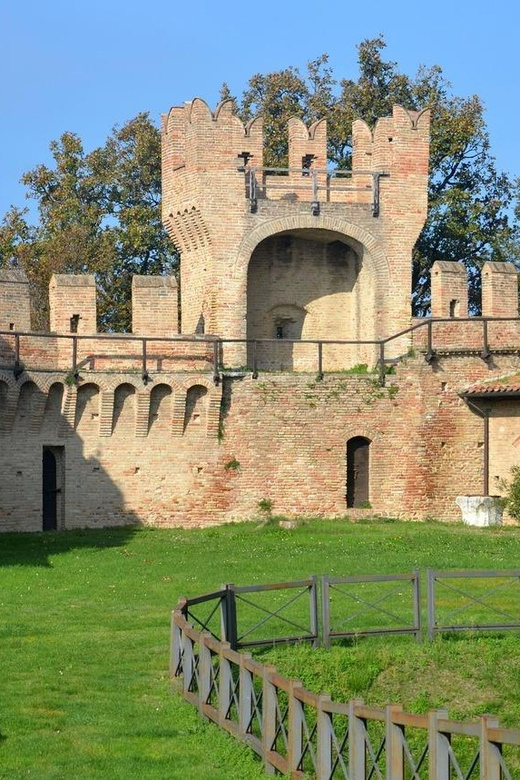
(218,196)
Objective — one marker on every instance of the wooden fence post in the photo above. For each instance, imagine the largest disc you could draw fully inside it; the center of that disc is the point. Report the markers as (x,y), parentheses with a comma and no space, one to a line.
(245,701)
(489,751)
(269,699)
(225,682)
(356,742)
(295,727)
(204,672)
(188,664)
(394,744)
(324,739)
(438,747)
(175,649)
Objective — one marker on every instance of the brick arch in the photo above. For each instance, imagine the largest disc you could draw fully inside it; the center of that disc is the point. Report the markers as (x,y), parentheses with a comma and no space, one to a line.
(303,221)
(199,382)
(46,383)
(111,385)
(9,379)
(355,430)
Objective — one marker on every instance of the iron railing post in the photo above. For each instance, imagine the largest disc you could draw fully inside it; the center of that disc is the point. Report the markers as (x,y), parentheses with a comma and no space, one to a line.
(254,375)
(430,354)
(144,368)
(431,603)
(485,354)
(417,604)
(216,349)
(229,616)
(382,371)
(313,608)
(325,611)
(320,360)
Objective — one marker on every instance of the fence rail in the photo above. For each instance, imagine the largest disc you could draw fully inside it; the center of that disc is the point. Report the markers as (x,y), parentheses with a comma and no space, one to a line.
(304,734)
(366,597)
(21,351)
(472,609)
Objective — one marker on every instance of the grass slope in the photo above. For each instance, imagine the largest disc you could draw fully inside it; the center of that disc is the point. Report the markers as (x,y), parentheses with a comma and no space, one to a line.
(84,626)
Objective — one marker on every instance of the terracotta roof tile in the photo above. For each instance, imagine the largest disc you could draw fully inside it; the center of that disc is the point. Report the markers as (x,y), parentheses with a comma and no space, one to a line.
(506,384)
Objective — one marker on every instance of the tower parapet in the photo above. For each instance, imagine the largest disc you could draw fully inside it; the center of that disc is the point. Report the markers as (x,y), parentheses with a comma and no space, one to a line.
(223,210)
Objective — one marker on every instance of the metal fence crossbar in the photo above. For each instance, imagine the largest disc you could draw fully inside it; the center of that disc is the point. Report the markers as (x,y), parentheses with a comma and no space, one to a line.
(270,614)
(204,624)
(470,598)
(369,604)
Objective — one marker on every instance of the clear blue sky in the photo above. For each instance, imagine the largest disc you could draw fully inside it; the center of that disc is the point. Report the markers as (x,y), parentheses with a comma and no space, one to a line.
(83,67)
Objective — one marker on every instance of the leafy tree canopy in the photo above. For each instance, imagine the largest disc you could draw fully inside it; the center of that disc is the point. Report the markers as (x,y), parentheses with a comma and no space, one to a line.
(99,213)
(470,216)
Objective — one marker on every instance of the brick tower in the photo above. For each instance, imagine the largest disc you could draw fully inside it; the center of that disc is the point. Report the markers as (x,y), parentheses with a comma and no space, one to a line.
(301,253)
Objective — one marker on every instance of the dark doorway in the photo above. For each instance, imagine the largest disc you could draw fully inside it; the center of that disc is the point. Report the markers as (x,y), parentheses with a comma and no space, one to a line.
(52,477)
(358,472)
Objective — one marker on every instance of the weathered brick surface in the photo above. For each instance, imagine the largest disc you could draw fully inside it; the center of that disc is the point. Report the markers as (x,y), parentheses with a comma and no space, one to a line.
(153,455)
(206,210)
(15,305)
(157,441)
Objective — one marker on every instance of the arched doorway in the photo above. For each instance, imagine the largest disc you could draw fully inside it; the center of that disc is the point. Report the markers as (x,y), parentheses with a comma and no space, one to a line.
(358,472)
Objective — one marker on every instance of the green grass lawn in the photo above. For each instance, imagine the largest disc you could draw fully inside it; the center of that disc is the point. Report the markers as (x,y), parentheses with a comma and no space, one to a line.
(84,623)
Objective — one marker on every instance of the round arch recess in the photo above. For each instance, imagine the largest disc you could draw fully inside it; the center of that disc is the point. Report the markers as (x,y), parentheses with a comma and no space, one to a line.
(304,278)
(344,229)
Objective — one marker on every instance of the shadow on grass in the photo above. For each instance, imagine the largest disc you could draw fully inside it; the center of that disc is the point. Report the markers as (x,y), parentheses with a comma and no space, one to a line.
(36,549)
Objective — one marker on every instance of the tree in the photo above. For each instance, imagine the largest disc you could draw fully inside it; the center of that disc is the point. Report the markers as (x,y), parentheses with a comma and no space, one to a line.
(99,213)
(469,217)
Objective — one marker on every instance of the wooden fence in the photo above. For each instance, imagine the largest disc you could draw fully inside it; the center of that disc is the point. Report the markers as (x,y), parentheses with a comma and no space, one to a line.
(308,735)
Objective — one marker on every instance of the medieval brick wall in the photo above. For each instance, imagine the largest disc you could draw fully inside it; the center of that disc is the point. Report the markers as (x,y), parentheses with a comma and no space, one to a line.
(182,451)
(148,427)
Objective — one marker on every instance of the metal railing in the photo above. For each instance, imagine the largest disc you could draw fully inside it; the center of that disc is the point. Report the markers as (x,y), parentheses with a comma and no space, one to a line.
(304,734)
(472,609)
(213,360)
(360,606)
(315,181)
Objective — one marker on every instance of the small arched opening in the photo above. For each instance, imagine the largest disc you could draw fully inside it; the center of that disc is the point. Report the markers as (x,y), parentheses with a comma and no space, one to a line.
(358,472)
(196,406)
(160,415)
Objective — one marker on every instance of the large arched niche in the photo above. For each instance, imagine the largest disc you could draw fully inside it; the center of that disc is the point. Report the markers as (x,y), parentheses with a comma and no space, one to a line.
(326,276)
(314,283)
